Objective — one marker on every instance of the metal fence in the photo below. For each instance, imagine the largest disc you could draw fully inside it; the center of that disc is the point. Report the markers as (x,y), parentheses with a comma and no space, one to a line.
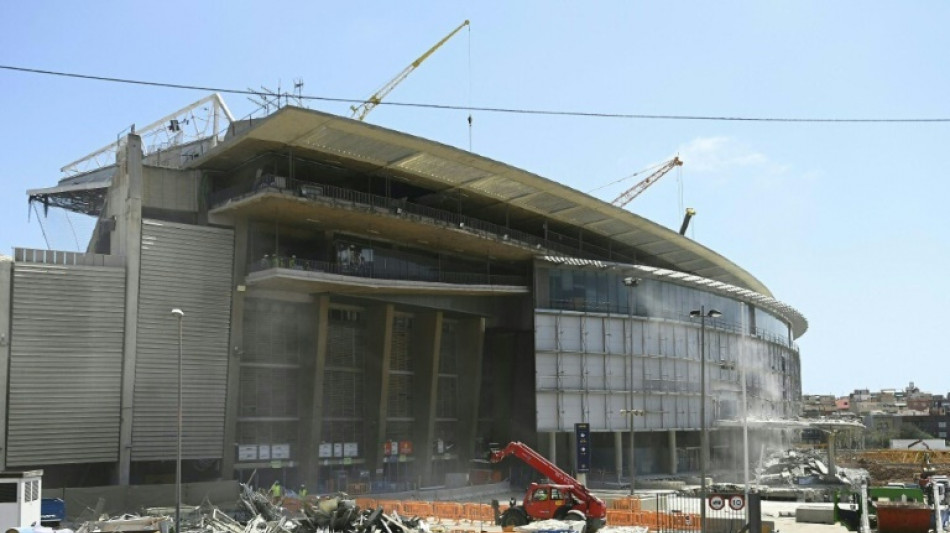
(672,513)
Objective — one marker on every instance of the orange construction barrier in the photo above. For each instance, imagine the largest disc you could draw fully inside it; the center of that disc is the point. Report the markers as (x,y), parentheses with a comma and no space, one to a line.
(366,503)
(420,509)
(447,511)
(390,506)
(617,517)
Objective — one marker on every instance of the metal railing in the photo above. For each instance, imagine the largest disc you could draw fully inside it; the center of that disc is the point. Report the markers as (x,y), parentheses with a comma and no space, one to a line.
(58,257)
(375,272)
(397,207)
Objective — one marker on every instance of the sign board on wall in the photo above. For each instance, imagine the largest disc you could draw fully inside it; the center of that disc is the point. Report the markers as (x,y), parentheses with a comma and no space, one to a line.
(263,452)
(280,451)
(247,452)
(325,451)
(337,449)
(350,449)
(582,433)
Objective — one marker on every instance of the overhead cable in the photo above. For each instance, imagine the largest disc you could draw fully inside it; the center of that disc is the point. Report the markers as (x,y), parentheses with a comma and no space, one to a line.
(508,110)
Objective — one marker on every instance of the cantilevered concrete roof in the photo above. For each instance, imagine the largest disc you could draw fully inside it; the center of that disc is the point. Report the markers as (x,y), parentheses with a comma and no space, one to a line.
(368,148)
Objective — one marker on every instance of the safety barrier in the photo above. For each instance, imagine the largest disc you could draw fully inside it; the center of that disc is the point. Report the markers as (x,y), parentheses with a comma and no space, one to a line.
(421,509)
(366,503)
(448,511)
(619,517)
(390,506)
(629,503)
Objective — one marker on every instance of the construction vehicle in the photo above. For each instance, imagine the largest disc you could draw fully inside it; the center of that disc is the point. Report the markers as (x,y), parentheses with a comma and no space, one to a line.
(360,111)
(627,196)
(563,499)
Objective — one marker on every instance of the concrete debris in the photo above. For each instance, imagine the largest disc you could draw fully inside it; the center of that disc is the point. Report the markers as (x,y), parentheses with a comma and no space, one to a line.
(256,513)
(800,467)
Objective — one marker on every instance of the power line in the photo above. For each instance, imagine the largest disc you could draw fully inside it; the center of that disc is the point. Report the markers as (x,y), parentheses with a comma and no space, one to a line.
(508,110)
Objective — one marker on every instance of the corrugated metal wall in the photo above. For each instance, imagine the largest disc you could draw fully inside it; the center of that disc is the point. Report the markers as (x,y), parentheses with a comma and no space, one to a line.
(188,267)
(65,364)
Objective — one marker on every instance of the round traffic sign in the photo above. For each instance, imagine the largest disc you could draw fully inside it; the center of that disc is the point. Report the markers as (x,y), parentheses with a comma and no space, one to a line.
(736,502)
(716,502)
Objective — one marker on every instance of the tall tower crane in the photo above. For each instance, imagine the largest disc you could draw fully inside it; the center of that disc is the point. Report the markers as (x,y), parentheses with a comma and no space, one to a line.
(360,111)
(635,191)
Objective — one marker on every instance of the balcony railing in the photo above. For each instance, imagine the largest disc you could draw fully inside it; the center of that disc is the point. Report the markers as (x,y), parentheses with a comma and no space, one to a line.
(554,242)
(57,257)
(375,272)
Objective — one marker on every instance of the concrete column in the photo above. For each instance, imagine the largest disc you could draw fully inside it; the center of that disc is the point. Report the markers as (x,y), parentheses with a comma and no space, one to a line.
(427,351)
(314,418)
(832,437)
(471,340)
(236,340)
(618,454)
(552,447)
(672,447)
(6,306)
(379,341)
(127,194)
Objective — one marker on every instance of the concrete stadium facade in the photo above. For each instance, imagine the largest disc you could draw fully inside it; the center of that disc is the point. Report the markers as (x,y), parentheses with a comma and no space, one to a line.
(367,309)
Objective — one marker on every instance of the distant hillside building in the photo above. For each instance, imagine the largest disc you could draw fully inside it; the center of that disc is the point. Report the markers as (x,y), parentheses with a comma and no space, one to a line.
(365,307)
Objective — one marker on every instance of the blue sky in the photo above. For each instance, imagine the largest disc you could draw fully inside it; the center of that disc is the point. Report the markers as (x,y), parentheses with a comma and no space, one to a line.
(845,222)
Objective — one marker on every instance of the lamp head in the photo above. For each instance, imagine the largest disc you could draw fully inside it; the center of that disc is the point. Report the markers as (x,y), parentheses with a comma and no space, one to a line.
(712,313)
(630,281)
(176,312)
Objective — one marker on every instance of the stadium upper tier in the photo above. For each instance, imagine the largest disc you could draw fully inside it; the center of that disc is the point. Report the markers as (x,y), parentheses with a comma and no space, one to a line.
(495,190)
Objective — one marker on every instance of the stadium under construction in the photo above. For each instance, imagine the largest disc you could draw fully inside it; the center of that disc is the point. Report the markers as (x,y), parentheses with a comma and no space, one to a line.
(363,307)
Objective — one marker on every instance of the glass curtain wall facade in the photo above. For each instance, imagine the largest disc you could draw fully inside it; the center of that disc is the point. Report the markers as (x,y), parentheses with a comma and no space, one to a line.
(601,347)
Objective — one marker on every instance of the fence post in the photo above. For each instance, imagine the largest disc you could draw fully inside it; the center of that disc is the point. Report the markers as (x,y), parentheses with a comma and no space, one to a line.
(755,513)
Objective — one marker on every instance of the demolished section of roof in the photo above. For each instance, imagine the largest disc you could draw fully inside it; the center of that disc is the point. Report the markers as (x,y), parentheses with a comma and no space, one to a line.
(370,148)
(83,193)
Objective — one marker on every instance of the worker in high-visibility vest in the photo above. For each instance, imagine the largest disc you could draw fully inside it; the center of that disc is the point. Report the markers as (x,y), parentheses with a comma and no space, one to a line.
(275,491)
(302,492)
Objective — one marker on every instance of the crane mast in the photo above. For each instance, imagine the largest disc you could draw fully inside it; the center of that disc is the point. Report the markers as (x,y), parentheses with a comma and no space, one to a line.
(360,111)
(635,191)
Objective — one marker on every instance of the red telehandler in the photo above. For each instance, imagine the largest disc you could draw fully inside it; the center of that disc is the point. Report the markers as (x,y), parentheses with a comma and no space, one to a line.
(563,499)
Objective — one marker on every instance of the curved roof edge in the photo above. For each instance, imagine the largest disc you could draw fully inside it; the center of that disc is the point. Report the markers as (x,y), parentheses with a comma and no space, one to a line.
(341,138)
(795,318)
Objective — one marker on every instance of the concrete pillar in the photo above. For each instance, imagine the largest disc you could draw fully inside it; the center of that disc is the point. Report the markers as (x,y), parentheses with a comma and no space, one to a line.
(314,413)
(126,195)
(6,305)
(832,437)
(672,447)
(471,340)
(618,454)
(236,340)
(552,447)
(427,350)
(379,341)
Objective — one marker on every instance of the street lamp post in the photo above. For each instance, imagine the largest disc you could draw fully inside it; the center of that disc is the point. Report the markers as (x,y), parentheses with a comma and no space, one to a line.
(631,282)
(633,473)
(179,314)
(702,314)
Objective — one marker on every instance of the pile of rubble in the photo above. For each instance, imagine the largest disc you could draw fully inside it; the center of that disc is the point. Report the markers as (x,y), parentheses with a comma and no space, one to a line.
(256,513)
(802,467)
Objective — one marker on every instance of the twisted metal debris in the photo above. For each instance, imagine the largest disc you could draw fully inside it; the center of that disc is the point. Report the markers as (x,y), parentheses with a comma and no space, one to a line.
(256,513)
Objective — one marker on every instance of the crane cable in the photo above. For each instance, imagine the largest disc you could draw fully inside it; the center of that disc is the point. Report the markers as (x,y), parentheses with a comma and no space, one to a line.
(469,87)
(625,178)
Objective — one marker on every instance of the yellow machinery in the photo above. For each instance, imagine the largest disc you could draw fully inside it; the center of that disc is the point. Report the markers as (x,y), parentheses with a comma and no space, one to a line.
(360,111)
